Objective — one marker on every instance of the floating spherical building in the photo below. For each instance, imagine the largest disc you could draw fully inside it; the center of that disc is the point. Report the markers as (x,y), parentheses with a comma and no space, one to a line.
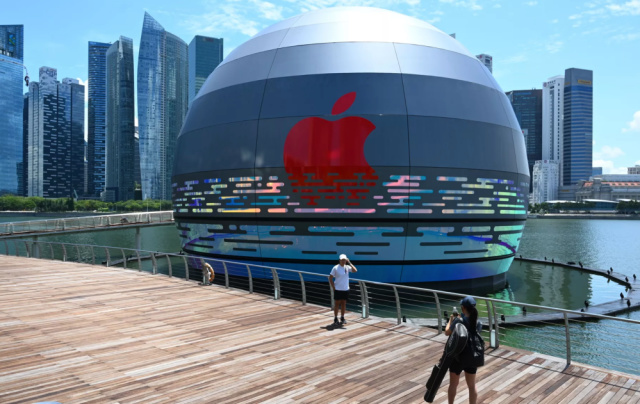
(359,131)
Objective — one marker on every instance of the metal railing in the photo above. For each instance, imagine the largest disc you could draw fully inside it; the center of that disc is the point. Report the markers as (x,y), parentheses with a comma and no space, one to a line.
(81,223)
(590,338)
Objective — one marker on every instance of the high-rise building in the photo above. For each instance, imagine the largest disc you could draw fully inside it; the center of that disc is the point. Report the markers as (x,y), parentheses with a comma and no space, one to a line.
(162,104)
(527,105)
(97,117)
(205,54)
(56,136)
(120,137)
(596,171)
(11,108)
(486,60)
(23,183)
(633,170)
(12,41)
(545,181)
(577,155)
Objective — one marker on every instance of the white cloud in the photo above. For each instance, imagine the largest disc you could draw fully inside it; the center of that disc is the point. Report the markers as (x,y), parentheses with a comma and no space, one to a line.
(608,167)
(626,37)
(515,59)
(629,8)
(470,4)
(554,47)
(608,152)
(269,10)
(531,3)
(634,125)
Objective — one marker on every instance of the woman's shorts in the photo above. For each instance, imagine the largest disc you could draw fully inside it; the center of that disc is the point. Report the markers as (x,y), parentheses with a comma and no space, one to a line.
(456,367)
(340,295)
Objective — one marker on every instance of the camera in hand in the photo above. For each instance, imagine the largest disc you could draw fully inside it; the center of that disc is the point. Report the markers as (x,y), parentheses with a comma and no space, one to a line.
(455,312)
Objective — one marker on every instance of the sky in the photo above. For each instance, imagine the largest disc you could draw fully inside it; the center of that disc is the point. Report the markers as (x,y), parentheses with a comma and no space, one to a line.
(530,41)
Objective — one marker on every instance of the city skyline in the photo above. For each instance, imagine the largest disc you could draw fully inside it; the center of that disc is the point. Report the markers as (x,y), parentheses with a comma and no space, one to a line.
(594,36)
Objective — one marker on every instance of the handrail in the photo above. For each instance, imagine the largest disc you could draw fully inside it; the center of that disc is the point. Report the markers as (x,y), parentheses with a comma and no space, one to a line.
(83,222)
(562,318)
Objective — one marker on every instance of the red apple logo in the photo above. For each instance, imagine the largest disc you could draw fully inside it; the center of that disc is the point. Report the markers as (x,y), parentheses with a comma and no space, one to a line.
(327,157)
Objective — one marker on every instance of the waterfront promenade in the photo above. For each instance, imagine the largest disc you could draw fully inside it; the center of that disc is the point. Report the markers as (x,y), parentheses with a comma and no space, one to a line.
(80,333)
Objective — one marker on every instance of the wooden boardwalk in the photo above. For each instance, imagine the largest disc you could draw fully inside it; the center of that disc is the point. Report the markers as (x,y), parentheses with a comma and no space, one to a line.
(77,333)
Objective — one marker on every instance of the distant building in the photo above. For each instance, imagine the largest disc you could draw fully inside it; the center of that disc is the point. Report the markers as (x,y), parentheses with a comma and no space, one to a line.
(486,60)
(527,105)
(552,118)
(596,171)
(205,54)
(23,183)
(545,181)
(610,187)
(577,145)
(120,136)
(97,117)
(11,109)
(162,104)
(633,170)
(56,136)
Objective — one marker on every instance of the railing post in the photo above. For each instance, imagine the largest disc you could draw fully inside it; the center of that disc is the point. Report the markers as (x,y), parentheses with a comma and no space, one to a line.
(26,247)
(78,253)
(51,248)
(495,321)
(226,275)
(93,256)
(139,261)
(491,337)
(439,311)
(124,259)
(106,250)
(205,278)
(276,284)
(250,279)
(304,290)
(566,329)
(169,263)
(395,291)
(365,299)
(154,263)
(6,247)
(64,253)
(333,302)
(15,245)
(186,268)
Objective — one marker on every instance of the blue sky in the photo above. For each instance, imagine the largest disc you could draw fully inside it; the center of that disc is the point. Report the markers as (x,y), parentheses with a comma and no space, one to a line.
(530,41)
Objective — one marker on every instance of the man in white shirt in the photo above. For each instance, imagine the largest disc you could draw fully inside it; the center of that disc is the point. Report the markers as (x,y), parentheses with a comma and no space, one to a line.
(341,287)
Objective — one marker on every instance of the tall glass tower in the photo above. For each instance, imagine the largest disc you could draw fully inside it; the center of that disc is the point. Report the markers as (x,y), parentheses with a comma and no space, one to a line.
(56,136)
(120,141)
(11,108)
(527,105)
(162,104)
(97,117)
(577,159)
(205,54)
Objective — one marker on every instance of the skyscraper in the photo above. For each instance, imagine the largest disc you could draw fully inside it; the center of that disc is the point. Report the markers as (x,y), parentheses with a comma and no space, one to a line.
(486,60)
(527,105)
(97,117)
(578,126)
(11,107)
(120,141)
(205,54)
(162,104)
(23,185)
(545,181)
(56,136)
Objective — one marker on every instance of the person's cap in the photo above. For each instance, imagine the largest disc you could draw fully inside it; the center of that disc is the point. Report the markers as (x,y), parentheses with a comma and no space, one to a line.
(468,302)
(343,256)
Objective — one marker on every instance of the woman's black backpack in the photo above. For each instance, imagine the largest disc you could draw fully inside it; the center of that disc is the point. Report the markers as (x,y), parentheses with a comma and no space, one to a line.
(472,356)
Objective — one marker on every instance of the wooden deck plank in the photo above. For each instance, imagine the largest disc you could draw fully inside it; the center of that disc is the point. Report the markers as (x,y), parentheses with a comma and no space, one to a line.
(81,333)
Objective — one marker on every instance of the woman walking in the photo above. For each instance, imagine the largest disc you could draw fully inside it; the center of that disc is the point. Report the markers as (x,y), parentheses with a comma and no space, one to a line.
(470,321)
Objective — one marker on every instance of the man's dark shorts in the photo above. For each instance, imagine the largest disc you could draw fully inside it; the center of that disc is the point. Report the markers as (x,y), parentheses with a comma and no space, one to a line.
(340,295)
(456,367)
